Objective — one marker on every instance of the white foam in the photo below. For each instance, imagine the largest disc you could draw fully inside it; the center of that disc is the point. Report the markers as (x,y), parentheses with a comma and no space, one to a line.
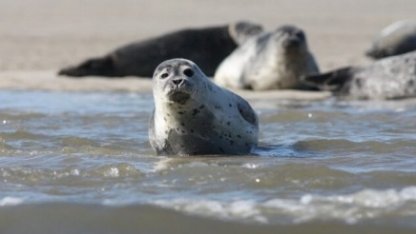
(372,198)
(162,165)
(240,209)
(350,208)
(10,201)
(112,172)
(250,165)
(75,172)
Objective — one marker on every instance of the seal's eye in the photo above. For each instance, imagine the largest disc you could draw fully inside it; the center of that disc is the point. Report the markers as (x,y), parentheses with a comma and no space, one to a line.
(164,75)
(188,72)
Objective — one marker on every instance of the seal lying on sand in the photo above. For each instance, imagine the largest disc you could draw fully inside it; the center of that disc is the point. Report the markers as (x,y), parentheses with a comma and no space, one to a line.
(389,78)
(397,38)
(193,116)
(206,46)
(272,60)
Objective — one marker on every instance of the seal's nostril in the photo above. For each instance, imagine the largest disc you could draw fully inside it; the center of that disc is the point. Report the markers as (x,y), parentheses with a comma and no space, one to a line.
(164,75)
(178,81)
(188,72)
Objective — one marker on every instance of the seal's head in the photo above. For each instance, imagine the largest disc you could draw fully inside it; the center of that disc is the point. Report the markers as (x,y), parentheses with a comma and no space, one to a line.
(241,31)
(177,81)
(291,39)
(397,38)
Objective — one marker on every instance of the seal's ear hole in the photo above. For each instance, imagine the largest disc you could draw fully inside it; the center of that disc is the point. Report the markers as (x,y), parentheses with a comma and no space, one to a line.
(188,72)
(164,75)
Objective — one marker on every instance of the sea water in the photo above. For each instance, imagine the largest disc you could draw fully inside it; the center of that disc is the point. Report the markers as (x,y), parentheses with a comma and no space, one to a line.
(73,162)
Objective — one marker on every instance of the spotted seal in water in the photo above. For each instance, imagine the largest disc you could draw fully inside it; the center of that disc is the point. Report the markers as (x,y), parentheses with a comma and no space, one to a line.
(271,60)
(388,78)
(206,46)
(193,116)
(397,38)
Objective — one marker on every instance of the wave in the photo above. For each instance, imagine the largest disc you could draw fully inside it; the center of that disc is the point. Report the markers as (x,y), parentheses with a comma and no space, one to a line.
(351,208)
(69,218)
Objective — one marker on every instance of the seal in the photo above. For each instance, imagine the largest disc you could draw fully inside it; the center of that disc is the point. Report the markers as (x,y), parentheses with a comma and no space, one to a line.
(271,60)
(397,38)
(193,116)
(388,78)
(206,46)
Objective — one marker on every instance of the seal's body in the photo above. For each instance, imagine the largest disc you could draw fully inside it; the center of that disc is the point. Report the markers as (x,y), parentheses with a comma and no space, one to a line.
(271,60)
(206,46)
(389,78)
(193,116)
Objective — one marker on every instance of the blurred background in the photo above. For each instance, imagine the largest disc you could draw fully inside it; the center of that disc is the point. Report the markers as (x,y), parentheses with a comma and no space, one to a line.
(49,34)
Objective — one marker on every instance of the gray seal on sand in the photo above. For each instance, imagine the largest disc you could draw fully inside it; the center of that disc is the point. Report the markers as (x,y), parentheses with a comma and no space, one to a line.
(193,116)
(271,60)
(397,38)
(388,78)
(206,46)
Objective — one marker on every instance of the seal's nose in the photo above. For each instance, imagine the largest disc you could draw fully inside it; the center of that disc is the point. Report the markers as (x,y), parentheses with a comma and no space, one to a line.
(178,81)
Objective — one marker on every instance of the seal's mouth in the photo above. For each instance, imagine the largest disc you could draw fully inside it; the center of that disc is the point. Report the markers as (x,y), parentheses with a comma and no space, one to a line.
(179,97)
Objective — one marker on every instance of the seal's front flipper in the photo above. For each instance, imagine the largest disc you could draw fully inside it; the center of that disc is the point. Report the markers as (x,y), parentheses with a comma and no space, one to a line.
(330,81)
(92,67)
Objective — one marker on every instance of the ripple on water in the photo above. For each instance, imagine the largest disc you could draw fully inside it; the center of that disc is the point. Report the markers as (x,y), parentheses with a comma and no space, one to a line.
(20,135)
(4,148)
(82,183)
(331,146)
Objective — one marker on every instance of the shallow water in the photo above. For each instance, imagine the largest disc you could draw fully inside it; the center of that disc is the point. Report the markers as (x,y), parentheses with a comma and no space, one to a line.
(81,163)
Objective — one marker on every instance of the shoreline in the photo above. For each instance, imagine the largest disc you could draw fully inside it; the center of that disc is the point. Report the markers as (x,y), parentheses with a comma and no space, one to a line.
(49,81)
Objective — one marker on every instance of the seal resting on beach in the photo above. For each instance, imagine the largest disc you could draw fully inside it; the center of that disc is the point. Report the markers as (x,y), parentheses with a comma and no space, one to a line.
(397,38)
(193,116)
(388,78)
(206,46)
(271,60)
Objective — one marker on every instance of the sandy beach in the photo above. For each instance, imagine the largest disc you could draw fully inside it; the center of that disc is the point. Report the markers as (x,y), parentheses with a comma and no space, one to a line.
(39,37)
